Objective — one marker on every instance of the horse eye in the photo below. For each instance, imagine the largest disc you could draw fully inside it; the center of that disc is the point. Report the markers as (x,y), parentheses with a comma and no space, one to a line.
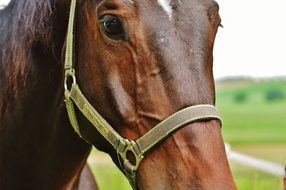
(112,26)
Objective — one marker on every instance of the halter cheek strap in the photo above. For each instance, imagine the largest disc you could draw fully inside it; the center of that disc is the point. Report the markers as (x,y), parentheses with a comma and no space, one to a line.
(138,148)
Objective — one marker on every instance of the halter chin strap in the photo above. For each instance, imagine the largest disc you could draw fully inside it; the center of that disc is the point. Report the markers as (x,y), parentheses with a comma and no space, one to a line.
(138,148)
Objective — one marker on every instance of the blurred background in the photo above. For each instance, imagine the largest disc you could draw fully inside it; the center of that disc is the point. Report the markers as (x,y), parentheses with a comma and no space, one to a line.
(250,68)
(250,73)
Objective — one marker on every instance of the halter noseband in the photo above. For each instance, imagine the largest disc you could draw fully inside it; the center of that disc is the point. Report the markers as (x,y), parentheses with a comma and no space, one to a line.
(74,97)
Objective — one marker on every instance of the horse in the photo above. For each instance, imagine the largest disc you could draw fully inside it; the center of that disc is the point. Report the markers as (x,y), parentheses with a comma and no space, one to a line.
(136,62)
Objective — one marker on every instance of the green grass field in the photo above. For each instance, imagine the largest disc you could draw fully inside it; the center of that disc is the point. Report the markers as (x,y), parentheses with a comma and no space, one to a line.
(255,119)
(254,123)
(254,115)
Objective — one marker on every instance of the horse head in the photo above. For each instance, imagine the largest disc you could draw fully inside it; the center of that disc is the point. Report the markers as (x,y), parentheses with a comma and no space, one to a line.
(138,62)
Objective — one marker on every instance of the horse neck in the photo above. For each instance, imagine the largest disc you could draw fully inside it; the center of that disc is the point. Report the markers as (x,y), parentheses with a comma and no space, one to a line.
(37,144)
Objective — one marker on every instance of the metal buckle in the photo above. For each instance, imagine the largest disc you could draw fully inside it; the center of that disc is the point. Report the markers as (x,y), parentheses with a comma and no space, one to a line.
(69,78)
(131,149)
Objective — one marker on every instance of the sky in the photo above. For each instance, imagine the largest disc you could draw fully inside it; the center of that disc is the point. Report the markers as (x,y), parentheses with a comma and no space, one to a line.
(252,42)
(253,39)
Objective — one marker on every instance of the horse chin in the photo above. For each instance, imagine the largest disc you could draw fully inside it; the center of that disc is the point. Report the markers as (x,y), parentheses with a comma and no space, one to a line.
(192,158)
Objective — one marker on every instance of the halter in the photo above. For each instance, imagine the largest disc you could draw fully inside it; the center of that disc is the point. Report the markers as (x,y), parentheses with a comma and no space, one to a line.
(139,147)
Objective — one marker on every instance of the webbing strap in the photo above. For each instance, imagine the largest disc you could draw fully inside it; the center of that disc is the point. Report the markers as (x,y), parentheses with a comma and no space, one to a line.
(142,145)
(95,118)
(69,41)
(176,121)
(151,138)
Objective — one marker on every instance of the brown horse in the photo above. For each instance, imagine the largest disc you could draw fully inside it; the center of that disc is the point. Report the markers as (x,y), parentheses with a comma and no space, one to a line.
(137,62)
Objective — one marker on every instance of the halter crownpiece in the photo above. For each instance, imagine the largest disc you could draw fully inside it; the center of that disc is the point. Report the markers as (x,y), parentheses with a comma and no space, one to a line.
(138,148)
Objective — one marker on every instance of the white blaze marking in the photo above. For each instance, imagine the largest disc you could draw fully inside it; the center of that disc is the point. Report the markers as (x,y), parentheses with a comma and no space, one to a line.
(166,5)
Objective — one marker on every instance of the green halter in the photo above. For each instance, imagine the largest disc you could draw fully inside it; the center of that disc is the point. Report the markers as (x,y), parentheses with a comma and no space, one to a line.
(74,97)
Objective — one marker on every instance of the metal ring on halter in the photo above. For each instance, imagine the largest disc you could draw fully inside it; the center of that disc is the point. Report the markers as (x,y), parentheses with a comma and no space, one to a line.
(133,149)
(70,74)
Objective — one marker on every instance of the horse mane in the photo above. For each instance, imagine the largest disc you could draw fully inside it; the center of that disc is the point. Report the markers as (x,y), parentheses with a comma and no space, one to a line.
(33,17)
(25,26)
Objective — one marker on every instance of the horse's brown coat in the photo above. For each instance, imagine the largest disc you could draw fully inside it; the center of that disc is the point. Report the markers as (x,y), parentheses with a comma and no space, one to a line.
(162,66)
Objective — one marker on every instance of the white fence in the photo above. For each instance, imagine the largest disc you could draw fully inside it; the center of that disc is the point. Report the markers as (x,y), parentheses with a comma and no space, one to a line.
(261,165)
